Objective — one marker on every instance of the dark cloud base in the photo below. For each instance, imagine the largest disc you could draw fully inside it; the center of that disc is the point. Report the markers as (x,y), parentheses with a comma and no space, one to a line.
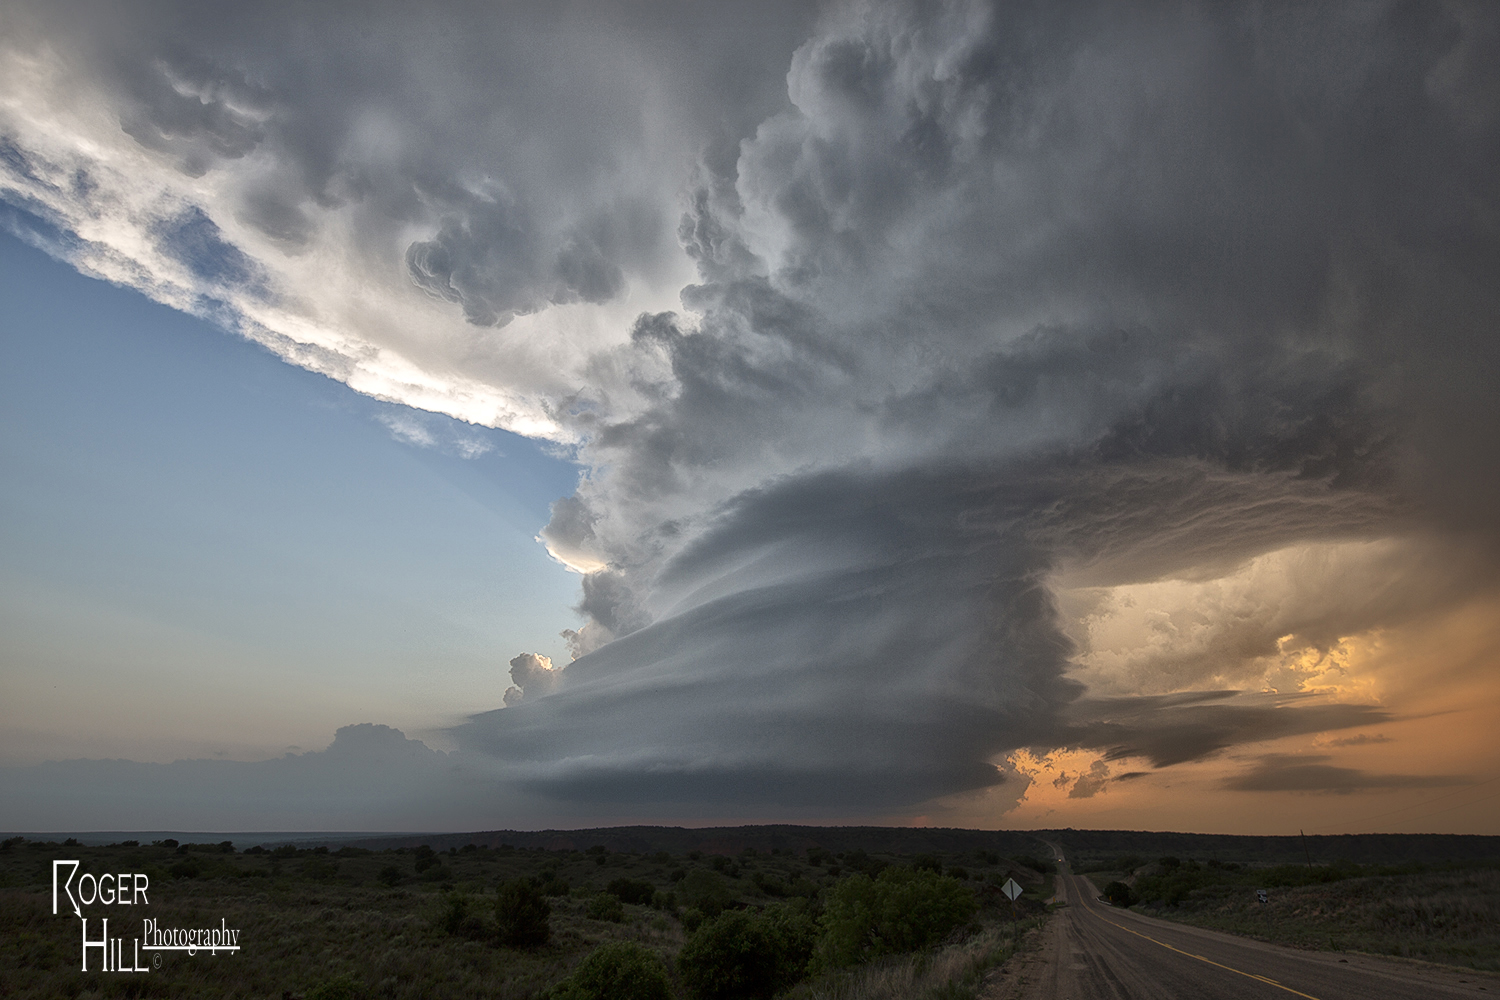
(1308,773)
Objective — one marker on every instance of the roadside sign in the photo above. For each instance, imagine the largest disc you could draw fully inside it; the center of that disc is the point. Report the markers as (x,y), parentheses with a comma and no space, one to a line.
(1011,889)
(1262,895)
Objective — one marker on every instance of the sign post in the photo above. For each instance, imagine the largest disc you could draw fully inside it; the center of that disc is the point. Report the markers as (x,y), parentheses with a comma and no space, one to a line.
(1012,892)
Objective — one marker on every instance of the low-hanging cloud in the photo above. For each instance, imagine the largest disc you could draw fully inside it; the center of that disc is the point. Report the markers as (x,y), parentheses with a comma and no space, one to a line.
(532,674)
(884,343)
(1311,773)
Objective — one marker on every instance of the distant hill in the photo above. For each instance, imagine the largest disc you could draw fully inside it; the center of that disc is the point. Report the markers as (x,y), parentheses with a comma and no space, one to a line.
(732,839)
(1362,848)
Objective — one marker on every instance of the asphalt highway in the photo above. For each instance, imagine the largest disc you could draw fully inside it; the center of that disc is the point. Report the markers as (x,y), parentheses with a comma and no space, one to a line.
(1092,951)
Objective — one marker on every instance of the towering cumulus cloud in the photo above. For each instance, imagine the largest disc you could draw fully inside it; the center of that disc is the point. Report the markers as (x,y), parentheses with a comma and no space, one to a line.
(951,378)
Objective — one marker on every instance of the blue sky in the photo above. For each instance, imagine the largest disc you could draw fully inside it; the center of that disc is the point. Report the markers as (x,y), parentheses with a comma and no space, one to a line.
(204,550)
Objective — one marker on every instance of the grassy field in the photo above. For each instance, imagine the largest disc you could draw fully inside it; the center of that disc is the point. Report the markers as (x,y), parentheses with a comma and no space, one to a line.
(412,922)
(1439,912)
(953,972)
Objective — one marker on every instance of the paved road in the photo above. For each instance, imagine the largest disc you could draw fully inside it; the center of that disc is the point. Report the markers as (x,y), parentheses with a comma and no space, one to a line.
(1092,951)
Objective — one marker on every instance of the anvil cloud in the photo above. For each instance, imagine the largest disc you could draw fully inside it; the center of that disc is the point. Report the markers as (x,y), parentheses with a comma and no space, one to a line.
(951,380)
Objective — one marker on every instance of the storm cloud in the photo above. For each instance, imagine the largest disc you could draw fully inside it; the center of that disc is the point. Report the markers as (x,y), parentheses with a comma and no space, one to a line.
(892,339)
(1311,773)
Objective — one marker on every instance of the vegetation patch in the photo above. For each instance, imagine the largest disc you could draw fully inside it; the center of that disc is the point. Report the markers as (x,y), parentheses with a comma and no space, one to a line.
(362,922)
(1440,912)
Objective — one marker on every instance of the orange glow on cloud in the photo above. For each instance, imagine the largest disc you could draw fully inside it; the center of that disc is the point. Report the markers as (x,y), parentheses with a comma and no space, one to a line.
(1435,767)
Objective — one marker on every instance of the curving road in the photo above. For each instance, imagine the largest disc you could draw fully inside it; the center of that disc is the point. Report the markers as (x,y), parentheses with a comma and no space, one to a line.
(1092,951)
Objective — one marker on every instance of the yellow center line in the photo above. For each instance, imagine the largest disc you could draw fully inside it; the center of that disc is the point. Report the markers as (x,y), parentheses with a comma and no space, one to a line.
(1247,975)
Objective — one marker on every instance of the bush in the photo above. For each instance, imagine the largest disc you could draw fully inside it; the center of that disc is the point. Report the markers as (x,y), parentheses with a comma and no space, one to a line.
(186,869)
(857,860)
(390,875)
(1118,894)
(631,891)
(620,970)
(769,884)
(902,910)
(523,915)
(1036,864)
(705,892)
(606,907)
(454,911)
(927,862)
(742,954)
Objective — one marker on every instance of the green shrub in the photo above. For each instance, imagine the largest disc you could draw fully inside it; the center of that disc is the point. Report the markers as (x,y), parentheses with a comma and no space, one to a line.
(606,907)
(1036,864)
(186,869)
(620,970)
(742,954)
(631,891)
(705,891)
(901,910)
(523,915)
(1118,894)
(454,911)
(769,884)
(390,875)
(861,862)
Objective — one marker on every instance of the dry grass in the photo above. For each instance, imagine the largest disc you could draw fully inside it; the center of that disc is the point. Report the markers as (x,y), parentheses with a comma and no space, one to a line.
(1452,917)
(954,972)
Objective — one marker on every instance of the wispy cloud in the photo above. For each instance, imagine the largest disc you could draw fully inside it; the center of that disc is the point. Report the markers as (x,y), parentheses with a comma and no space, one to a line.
(427,431)
(1357,740)
(1310,773)
(407,428)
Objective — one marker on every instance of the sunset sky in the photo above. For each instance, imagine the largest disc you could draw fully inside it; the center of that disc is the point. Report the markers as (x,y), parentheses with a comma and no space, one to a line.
(469,416)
